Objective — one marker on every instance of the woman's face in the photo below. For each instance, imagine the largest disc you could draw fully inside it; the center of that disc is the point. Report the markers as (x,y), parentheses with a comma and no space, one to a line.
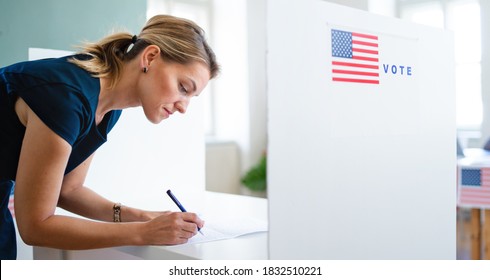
(168,87)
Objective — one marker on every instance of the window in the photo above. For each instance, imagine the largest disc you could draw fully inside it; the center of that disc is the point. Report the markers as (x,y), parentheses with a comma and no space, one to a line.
(198,11)
(463,18)
(430,13)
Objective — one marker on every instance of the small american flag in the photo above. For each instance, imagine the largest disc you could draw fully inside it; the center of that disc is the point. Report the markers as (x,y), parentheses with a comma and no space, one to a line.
(355,57)
(475,187)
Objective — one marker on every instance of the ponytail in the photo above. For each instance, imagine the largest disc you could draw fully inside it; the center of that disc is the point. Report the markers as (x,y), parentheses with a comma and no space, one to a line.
(180,40)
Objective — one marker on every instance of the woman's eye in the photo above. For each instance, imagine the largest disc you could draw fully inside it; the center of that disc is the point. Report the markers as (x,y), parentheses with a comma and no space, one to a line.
(183,89)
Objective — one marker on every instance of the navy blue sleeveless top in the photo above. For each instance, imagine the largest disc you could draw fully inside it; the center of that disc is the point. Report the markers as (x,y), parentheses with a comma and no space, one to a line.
(65,98)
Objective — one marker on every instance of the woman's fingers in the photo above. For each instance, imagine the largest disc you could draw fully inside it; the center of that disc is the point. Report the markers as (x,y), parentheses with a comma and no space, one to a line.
(173,228)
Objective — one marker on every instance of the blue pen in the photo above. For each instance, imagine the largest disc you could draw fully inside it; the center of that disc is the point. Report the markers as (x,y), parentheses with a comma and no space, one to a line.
(181,207)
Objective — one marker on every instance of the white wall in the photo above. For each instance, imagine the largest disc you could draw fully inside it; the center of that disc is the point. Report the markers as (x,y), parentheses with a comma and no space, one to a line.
(231,88)
(240,100)
(240,91)
(257,80)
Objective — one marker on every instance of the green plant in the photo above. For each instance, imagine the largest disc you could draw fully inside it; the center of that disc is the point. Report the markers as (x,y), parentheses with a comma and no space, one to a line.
(256,178)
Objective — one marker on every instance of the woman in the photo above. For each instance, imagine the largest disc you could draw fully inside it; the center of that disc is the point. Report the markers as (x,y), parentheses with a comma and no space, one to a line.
(55,113)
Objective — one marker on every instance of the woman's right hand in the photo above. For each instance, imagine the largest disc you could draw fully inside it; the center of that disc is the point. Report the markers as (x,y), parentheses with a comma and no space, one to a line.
(171,228)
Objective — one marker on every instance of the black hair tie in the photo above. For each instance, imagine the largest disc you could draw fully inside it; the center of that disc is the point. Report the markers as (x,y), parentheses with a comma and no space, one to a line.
(134,39)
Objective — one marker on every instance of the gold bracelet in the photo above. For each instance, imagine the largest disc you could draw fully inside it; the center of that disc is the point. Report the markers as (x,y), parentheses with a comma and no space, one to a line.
(117,212)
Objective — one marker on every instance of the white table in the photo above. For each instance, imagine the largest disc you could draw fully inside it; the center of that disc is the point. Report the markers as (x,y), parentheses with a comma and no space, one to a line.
(248,247)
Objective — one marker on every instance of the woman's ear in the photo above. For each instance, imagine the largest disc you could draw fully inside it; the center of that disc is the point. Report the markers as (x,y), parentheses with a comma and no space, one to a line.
(150,53)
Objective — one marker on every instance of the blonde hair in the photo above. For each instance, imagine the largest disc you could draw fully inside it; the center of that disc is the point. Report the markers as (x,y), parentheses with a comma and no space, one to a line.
(180,40)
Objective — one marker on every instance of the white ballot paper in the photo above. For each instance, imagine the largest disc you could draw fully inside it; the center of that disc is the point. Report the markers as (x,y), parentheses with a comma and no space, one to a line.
(218,228)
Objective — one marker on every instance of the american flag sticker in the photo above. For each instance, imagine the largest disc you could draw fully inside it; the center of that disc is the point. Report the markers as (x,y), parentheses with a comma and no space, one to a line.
(355,57)
(475,187)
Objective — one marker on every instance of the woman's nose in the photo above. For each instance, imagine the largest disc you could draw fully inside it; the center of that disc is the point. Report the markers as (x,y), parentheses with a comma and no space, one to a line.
(181,106)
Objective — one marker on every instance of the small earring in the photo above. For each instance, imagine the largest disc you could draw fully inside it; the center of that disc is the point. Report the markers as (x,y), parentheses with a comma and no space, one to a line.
(145,69)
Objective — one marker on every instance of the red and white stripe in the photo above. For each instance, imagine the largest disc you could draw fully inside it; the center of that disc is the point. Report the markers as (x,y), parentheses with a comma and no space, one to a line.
(363,67)
(477,196)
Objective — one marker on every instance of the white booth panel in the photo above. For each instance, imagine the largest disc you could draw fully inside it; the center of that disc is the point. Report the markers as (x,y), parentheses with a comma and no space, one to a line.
(142,159)
(361,155)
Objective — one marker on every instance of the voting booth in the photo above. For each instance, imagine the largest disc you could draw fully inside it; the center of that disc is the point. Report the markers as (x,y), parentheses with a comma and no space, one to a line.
(361,161)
